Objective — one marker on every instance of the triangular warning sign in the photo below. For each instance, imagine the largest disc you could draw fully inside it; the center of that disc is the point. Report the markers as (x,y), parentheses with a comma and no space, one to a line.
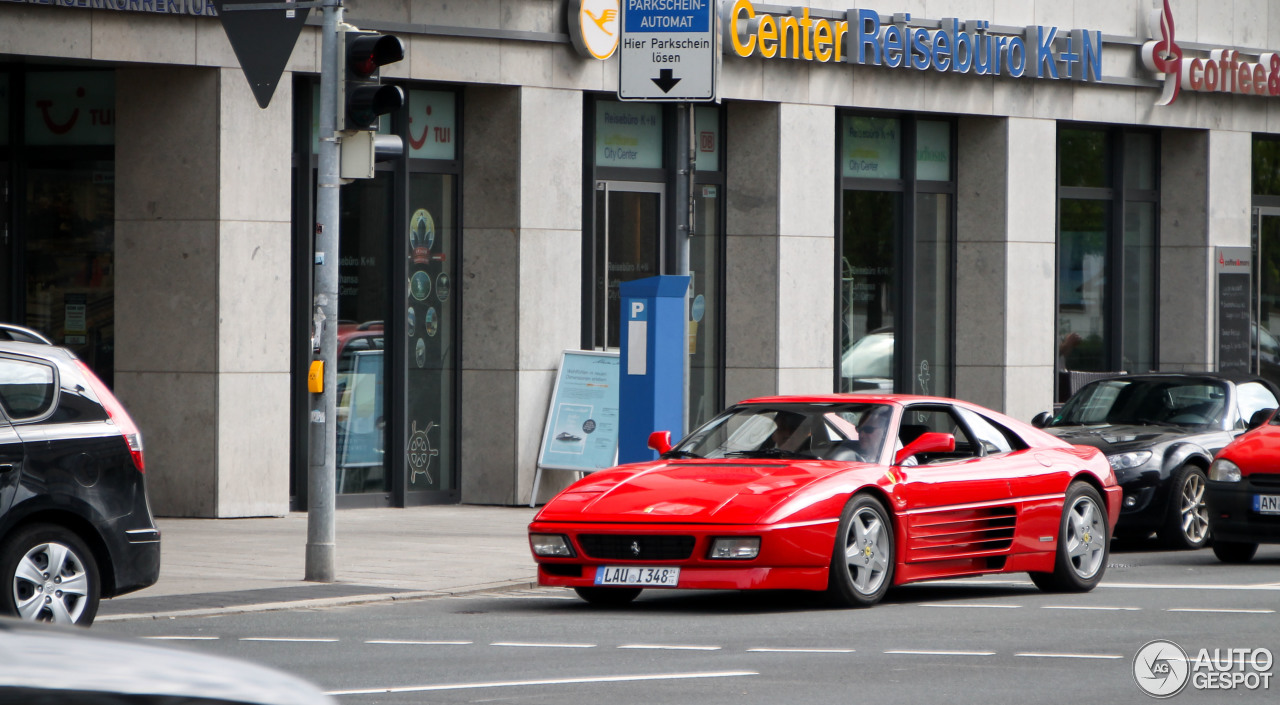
(262,40)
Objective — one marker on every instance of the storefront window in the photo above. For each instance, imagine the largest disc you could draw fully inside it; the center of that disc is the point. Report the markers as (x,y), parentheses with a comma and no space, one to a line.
(1082,267)
(1107,250)
(4,109)
(362,306)
(872,148)
(872,221)
(67,228)
(930,372)
(896,255)
(1265,327)
(431,331)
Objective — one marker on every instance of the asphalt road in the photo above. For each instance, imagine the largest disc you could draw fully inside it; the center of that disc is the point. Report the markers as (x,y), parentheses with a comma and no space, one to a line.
(990,640)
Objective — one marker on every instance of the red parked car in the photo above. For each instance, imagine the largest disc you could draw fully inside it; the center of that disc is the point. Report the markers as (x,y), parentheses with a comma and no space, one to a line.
(847,494)
(1243,493)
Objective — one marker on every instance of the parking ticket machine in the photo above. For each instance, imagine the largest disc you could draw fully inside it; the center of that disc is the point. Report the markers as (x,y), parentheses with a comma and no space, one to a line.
(651,379)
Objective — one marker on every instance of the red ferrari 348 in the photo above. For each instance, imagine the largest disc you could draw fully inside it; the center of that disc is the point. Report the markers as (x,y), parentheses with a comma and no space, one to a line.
(847,494)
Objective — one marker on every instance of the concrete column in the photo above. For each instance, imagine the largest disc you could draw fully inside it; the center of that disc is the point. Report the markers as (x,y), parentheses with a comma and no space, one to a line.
(780,288)
(1006,273)
(522,280)
(1205,197)
(202,297)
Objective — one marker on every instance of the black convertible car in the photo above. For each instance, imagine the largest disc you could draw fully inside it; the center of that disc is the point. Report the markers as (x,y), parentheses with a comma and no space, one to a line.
(1160,432)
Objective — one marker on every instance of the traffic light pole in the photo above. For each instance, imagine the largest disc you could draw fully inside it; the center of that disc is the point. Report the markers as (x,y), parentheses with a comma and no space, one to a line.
(322,478)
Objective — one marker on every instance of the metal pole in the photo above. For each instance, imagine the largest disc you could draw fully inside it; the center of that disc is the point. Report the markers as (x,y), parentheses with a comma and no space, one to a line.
(322,477)
(685,206)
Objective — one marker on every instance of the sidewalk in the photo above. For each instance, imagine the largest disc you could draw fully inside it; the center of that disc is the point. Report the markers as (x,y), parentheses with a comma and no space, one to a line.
(213,566)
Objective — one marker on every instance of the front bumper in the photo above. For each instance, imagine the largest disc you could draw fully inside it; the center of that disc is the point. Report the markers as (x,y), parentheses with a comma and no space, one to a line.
(1231,513)
(791,557)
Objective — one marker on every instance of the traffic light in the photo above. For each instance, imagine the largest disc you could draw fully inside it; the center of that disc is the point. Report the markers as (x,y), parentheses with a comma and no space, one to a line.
(364,99)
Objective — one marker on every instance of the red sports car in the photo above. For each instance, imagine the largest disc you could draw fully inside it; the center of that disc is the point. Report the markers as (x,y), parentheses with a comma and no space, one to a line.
(844,493)
(1243,493)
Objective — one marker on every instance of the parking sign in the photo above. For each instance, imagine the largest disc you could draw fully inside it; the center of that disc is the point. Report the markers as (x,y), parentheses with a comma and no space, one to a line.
(668,50)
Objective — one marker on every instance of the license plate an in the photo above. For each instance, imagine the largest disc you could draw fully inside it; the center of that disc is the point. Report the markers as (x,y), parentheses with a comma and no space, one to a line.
(637,576)
(1266,503)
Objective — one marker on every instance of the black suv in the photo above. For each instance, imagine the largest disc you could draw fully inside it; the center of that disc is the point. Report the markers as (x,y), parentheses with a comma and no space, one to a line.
(75,525)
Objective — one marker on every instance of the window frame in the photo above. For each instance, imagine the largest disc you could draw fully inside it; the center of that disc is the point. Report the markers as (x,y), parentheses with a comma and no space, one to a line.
(904,246)
(1117,195)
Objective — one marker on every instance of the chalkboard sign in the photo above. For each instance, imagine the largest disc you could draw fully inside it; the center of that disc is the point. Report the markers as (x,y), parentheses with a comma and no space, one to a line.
(581,433)
(1234,346)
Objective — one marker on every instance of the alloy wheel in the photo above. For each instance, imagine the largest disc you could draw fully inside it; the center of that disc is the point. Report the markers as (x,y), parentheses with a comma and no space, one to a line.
(867,551)
(1195,514)
(1086,537)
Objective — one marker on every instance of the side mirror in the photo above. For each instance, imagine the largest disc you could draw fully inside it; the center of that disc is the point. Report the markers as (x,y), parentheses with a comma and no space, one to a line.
(927,443)
(1042,419)
(1260,418)
(660,441)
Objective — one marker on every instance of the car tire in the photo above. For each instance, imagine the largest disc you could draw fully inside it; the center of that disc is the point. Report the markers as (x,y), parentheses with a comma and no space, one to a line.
(863,559)
(1080,558)
(1234,552)
(69,569)
(1186,525)
(607,596)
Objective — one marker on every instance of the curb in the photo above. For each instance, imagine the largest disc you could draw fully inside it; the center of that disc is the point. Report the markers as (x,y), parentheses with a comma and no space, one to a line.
(324,602)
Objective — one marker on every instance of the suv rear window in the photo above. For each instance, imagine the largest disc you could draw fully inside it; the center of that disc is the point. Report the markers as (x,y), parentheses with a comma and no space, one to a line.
(26,388)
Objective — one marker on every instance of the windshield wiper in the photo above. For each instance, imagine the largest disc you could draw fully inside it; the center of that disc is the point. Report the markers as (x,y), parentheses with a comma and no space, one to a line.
(679,454)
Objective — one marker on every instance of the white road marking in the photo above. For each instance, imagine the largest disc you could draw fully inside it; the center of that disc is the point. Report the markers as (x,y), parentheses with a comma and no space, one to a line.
(953,604)
(291,640)
(1165,586)
(670,647)
(1218,611)
(182,638)
(543,645)
(550,681)
(801,651)
(1090,656)
(1090,607)
(941,653)
(394,642)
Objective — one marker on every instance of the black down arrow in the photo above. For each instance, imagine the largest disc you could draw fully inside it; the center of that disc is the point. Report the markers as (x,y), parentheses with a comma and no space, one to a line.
(665,80)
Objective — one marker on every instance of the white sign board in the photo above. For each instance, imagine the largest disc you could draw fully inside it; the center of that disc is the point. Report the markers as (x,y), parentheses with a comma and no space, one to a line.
(668,51)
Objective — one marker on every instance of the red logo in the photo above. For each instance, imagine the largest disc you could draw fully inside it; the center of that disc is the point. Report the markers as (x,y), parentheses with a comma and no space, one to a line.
(1223,71)
(1165,56)
(59,128)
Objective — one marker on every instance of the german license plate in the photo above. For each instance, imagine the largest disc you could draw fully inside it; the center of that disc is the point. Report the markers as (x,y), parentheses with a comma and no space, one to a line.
(637,576)
(1266,503)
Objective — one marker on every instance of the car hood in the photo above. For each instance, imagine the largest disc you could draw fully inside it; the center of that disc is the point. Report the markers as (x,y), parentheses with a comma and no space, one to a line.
(696,492)
(1120,438)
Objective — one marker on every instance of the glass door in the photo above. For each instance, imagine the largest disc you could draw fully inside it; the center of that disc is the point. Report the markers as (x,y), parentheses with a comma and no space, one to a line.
(1266,326)
(628,246)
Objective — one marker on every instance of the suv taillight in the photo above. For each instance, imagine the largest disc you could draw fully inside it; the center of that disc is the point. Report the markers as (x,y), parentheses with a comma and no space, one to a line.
(118,415)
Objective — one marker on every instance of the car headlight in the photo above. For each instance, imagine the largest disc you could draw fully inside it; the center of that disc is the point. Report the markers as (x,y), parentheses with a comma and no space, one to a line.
(1124,461)
(1223,470)
(555,545)
(742,548)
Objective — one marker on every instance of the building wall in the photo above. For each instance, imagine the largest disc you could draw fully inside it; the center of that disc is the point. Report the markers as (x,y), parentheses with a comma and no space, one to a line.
(202,307)
(203,215)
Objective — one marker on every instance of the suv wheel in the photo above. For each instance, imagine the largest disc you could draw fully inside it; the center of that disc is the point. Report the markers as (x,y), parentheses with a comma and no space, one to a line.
(49,575)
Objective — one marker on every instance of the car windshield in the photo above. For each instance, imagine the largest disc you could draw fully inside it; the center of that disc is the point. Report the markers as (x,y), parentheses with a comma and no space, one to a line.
(1153,402)
(854,432)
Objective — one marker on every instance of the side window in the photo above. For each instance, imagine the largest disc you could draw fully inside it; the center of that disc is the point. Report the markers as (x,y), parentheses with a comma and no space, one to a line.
(1252,397)
(918,420)
(26,388)
(994,437)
